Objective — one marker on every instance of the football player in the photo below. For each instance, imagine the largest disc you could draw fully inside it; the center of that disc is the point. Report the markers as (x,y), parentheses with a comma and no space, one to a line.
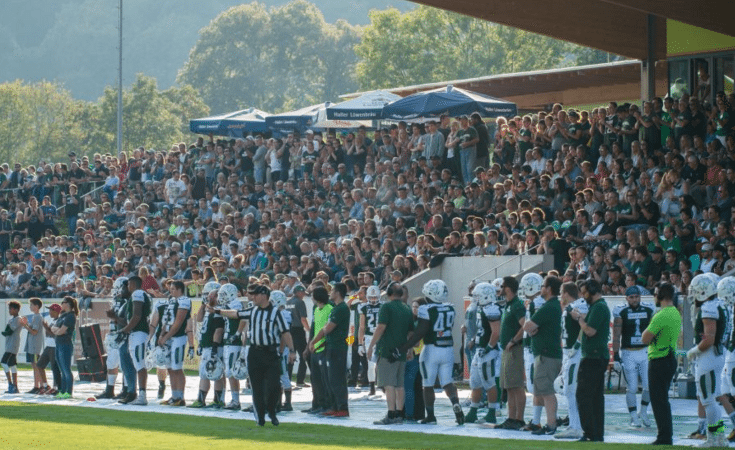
(368,312)
(485,367)
(571,340)
(117,307)
(629,321)
(232,339)
(137,311)
(155,326)
(726,295)
(709,329)
(278,299)
(436,319)
(174,320)
(530,290)
(210,338)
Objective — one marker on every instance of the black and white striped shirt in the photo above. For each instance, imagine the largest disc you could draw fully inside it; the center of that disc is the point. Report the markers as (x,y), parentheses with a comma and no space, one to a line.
(266,325)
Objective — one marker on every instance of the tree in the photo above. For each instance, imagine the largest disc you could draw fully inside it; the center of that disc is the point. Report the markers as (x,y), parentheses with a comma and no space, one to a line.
(276,59)
(430,45)
(585,55)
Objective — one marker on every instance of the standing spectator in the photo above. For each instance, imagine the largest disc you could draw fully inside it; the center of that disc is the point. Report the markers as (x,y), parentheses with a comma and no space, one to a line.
(483,142)
(661,337)
(12,345)
(595,326)
(468,140)
(49,353)
(336,331)
(544,327)
(34,341)
(395,322)
(299,328)
(63,329)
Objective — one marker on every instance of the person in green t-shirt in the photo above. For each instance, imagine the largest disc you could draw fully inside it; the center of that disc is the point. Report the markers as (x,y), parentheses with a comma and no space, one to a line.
(321,313)
(595,327)
(661,337)
(544,327)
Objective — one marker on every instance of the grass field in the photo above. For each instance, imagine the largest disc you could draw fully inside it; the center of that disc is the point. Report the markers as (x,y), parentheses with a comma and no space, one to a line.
(48,426)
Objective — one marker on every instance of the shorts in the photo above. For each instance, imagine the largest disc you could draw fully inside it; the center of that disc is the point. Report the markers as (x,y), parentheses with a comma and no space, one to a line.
(206,355)
(727,378)
(390,373)
(47,356)
(569,371)
(113,359)
(545,372)
(9,359)
(285,380)
(31,358)
(436,361)
(178,350)
(635,366)
(511,368)
(484,370)
(136,346)
(707,375)
(232,353)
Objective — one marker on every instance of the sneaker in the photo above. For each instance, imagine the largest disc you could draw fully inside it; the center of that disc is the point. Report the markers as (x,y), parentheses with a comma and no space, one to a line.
(178,402)
(197,404)
(34,391)
(458,414)
(140,401)
(120,396)
(471,416)
(635,422)
(274,421)
(167,402)
(217,405)
(287,408)
(489,417)
(59,396)
(248,409)
(343,413)
(569,433)
(562,422)
(545,430)
(430,420)
(645,420)
(128,399)
(12,389)
(66,396)
(530,426)
(384,421)
(317,411)
(161,392)
(303,385)
(43,390)
(233,406)
(52,391)
(107,394)
(697,435)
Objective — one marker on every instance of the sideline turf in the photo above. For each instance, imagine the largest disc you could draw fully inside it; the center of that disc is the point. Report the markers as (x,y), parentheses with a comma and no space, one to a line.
(25,425)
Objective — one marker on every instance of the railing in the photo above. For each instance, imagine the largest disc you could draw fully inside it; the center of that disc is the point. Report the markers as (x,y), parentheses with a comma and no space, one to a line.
(55,193)
(517,257)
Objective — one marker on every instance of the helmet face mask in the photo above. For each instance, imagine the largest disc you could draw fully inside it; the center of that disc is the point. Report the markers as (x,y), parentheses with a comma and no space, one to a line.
(226,294)
(373,294)
(214,368)
(240,368)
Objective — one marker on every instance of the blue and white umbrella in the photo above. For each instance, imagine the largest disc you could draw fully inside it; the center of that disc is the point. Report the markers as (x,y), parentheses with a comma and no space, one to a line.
(368,106)
(234,124)
(448,100)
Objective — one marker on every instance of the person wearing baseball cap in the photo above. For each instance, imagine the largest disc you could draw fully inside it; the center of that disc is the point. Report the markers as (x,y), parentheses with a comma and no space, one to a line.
(299,326)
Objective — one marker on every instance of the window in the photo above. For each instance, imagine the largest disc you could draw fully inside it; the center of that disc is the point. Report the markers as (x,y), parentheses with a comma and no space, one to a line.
(724,75)
(678,78)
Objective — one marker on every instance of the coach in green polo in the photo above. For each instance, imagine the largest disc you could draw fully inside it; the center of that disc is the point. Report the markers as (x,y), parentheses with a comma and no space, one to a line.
(545,331)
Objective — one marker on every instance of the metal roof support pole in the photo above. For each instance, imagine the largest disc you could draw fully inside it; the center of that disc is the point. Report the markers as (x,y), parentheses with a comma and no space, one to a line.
(648,65)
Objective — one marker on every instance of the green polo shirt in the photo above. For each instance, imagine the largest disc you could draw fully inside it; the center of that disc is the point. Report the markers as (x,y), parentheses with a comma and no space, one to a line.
(340,317)
(398,320)
(509,326)
(665,327)
(321,317)
(547,340)
(598,318)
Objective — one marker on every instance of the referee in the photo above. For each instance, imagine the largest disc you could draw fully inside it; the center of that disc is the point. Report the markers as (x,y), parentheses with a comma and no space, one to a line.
(267,328)
(661,336)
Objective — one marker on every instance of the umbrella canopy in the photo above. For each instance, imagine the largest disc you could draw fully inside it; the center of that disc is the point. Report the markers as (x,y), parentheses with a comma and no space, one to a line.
(234,124)
(368,106)
(298,120)
(450,100)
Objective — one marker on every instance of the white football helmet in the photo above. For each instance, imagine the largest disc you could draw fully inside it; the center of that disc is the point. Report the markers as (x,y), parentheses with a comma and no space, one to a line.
(530,285)
(716,278)
(209,287)
(117,286)
(111,342)
(214,368)
(484,294)
(240,368)
(726,290)
(278,298)
(161,356)
(498,285)
(436,291)
(702,288)
(373,294)
(559,384)
(226,294)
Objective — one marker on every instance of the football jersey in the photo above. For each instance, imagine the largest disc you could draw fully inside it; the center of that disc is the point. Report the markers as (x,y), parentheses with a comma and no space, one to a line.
(711,309)
(441,320)
(371,311)
(169,314)
(287,317)
(210,324)
(569,327)
(730,344)
(139,296)
(160,306)
(118,307)
(533,306)
(634,321)
(485,315)
(231,336)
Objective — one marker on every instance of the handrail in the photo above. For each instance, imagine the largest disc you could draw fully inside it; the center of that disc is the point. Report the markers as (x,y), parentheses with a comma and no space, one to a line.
(508,261)
(88,193)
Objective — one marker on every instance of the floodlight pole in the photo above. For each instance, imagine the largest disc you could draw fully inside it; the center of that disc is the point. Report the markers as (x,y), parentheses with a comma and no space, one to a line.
(120,83)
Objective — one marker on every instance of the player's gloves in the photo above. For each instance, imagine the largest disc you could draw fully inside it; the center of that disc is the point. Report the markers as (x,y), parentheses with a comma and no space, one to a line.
(481,352)
(121,338)
(190,353)
(616,362)
(693,353)
(199,351)
(361,350)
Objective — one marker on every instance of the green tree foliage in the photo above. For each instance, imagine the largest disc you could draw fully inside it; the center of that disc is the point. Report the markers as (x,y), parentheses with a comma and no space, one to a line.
(43,121)
(430,45)
(585,55)
(275,60)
